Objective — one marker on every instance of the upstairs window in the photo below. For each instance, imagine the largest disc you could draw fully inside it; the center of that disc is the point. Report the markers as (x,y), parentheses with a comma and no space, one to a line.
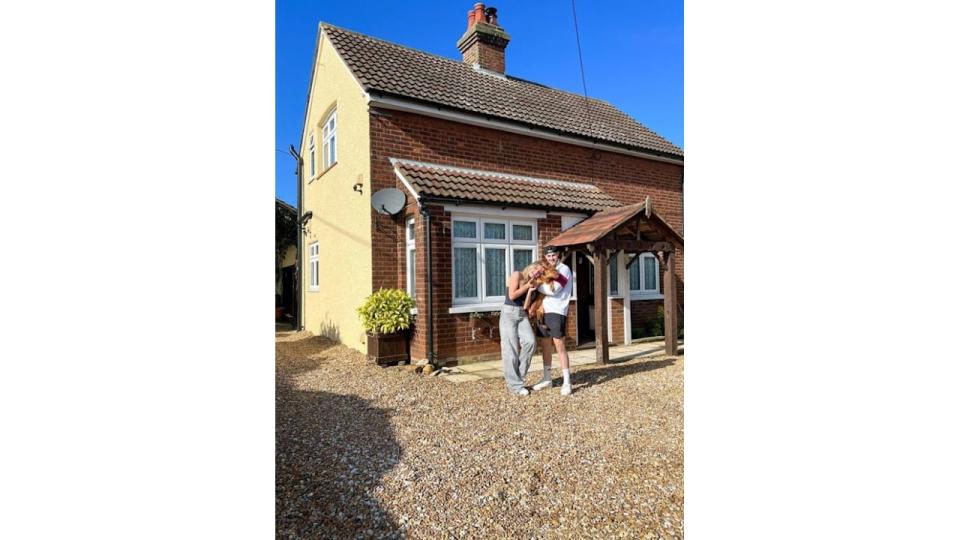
(313,157)
(330,141)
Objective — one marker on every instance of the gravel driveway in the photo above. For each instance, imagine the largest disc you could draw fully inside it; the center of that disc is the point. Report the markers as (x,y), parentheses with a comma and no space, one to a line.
(368,452)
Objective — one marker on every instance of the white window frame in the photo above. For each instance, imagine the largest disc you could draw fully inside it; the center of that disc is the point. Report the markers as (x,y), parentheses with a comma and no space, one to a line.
(411,237)
(313,156)
(615,262)
(484,301)
(484,296)
(330,150)
(533,238)
(314,266)
(642,293)
(506,230)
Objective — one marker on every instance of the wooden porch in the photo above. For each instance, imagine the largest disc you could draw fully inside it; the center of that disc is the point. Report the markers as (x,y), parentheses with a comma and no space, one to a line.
(632,229)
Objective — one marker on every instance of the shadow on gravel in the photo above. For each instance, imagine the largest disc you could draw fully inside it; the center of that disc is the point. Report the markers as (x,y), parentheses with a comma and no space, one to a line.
(301,355)
(607,373)
(332,451)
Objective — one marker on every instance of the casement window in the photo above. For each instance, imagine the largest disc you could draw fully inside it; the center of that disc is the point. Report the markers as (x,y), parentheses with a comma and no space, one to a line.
(485,252)
(313,157)
(613,286)
(411,259)
(645,276)
(314,266)
(330,140)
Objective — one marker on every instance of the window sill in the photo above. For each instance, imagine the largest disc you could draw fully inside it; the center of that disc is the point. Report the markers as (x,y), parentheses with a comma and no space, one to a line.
(645,296)
(313,289)
(323,172)
(470,308)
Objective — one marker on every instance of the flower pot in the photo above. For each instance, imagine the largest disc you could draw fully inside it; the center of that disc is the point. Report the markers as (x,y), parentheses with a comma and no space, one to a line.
(386,349)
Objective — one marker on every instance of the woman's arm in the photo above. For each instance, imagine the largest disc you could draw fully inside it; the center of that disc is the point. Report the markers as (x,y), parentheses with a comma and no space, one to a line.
(529,299)
(515,289)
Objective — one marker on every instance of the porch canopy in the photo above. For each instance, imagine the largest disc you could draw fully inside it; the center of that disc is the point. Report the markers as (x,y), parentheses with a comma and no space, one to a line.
(632,229)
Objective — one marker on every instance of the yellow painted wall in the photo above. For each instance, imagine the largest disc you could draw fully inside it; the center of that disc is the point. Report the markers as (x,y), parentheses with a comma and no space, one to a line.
(341,216)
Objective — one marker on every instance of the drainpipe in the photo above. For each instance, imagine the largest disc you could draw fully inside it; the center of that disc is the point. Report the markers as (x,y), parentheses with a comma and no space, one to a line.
(298,324)
(426,224)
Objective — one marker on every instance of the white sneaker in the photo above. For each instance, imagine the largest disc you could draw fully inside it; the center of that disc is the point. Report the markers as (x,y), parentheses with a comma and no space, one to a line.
(566,390)
(523,392)
(546,383)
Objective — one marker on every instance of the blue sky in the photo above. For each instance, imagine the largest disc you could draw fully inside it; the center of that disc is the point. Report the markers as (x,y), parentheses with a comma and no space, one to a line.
(632,53)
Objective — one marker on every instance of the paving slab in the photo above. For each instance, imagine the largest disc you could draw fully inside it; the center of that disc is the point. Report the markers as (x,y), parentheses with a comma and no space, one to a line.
(462,377)
(494,368)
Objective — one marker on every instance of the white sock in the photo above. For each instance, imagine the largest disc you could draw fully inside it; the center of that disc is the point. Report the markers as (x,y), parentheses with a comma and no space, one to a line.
(546,372)
(566,377)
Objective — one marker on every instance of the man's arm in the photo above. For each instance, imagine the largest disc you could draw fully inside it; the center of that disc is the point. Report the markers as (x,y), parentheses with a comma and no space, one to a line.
(561,282)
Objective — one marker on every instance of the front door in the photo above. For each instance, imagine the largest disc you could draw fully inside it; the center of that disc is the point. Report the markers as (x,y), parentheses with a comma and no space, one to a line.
(586,334)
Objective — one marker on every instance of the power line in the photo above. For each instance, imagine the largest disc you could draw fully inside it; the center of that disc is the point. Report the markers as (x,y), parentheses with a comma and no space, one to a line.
(576,30)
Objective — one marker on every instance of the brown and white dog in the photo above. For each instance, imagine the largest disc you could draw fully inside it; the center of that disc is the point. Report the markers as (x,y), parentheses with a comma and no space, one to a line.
(548,276)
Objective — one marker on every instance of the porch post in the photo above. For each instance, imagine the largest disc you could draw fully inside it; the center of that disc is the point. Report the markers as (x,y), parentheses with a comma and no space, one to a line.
(670,304)
(600,304)
(624,287)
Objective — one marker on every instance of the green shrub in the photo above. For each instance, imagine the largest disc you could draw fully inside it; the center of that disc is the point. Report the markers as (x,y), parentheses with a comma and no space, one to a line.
(655,327)
(386,311)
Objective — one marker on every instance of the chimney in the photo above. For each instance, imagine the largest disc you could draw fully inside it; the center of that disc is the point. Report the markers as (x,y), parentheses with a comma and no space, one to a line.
(484,42)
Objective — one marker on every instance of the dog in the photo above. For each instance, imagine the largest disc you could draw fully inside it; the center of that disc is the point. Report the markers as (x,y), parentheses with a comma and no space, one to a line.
(548,276)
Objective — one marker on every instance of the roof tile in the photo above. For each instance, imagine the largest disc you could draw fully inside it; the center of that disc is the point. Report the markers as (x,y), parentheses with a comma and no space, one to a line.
(431,179)
(401,71)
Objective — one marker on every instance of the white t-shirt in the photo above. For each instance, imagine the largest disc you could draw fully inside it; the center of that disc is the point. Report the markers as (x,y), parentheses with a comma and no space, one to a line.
(558,298)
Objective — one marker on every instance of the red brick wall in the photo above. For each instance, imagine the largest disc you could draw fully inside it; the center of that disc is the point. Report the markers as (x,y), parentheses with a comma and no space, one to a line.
(616,316)
(642,311)
(488,56)
(409,136)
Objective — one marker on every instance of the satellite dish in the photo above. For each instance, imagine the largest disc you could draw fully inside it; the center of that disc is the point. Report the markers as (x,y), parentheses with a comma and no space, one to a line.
(388,201)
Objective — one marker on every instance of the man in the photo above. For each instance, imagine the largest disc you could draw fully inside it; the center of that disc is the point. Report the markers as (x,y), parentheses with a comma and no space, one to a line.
(555,317)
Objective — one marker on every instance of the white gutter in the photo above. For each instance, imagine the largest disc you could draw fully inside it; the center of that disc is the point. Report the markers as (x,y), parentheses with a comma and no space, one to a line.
(445,113)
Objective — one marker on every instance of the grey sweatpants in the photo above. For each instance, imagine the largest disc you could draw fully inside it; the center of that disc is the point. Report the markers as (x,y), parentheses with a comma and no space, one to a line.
(517,344)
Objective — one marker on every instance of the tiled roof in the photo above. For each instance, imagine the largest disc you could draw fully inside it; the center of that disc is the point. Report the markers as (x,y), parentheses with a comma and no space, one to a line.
(596,226)
(602,223)
(454,183)
(393,69)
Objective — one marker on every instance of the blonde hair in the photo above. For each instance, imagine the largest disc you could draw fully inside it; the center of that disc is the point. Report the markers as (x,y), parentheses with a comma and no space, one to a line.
(525,274)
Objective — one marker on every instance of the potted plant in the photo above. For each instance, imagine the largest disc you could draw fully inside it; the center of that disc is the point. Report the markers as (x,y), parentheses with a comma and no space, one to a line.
(385,316)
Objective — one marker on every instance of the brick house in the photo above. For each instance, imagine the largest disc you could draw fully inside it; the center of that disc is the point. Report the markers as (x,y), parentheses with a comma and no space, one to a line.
(496,165)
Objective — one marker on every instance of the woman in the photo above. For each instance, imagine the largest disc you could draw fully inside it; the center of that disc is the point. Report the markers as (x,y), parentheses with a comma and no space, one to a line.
(517,341)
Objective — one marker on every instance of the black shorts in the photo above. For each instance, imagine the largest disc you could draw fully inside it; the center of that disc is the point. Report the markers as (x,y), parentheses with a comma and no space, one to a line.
(554,325)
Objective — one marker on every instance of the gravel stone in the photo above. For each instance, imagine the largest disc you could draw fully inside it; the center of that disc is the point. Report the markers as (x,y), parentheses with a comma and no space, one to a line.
(370,452)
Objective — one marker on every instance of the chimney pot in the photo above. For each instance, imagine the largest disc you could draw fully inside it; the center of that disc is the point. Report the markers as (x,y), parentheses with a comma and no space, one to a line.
(478,13)
(492,16)
(484,45)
